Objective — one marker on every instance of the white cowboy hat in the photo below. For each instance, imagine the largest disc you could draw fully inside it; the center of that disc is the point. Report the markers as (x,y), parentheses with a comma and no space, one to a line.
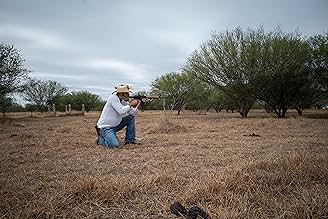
(123,88)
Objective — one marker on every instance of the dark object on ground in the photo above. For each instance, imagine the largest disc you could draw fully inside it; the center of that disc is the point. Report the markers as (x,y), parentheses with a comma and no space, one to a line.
(178,209)
(195,211)
(12,135)
(252,135)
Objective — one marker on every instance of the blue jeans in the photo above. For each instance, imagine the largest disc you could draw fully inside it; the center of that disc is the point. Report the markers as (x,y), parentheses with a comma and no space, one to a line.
(109,138)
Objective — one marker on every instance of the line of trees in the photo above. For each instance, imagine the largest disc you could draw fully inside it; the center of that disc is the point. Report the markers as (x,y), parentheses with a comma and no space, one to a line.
(238,68)
(42,94)
(39,94)
(234,70)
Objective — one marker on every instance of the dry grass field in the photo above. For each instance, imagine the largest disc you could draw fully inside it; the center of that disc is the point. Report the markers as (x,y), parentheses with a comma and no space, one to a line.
(51,168)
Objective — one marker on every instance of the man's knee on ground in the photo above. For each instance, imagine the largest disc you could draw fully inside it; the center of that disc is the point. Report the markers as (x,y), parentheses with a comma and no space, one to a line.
(113,144)
(109,143)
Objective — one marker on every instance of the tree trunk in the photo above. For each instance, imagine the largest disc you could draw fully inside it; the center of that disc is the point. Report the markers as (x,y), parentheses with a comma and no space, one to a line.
(281,113)
(218,108)
(299,111)
(244,113)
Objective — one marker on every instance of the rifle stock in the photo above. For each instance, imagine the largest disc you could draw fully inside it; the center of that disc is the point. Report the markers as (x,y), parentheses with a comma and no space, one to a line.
(97,130)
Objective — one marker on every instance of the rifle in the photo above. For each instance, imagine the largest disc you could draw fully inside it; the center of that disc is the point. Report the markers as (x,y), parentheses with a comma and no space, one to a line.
(144,98)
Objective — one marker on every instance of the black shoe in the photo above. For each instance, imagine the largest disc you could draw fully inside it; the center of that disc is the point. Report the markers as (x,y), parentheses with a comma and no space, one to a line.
(178,209)
(195,211)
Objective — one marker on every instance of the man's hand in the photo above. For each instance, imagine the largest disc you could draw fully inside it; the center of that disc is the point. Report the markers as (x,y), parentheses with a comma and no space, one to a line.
(134,103)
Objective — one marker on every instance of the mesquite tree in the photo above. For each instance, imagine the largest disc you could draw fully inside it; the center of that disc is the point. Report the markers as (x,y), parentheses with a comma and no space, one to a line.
(319,61)
(231,61)
(200,99)
(12,73)
(286,75)
(43,93)
(176,88)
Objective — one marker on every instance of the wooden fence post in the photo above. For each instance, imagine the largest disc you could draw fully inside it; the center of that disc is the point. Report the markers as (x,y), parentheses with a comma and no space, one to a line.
(54,109)
(164,105)
(83,109)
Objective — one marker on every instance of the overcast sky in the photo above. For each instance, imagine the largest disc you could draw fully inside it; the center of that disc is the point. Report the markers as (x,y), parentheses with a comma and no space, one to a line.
(95,45)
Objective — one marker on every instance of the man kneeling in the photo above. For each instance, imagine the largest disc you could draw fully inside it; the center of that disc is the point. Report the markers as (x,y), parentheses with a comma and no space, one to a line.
(117,114)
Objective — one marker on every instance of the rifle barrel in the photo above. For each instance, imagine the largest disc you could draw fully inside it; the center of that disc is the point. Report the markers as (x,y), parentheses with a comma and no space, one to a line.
(144,97)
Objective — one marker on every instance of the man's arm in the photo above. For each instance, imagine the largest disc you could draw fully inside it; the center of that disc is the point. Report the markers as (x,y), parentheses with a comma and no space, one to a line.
(118,106)
(134,110)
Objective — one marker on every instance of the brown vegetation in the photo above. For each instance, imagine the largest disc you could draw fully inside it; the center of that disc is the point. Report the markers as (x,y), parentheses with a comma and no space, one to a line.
(51,167)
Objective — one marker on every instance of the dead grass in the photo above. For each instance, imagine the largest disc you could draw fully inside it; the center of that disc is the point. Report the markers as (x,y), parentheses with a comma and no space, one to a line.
(166,125)
(51,168)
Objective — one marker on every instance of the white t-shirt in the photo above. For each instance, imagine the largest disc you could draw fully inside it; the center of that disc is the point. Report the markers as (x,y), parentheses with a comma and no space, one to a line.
(113,112)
